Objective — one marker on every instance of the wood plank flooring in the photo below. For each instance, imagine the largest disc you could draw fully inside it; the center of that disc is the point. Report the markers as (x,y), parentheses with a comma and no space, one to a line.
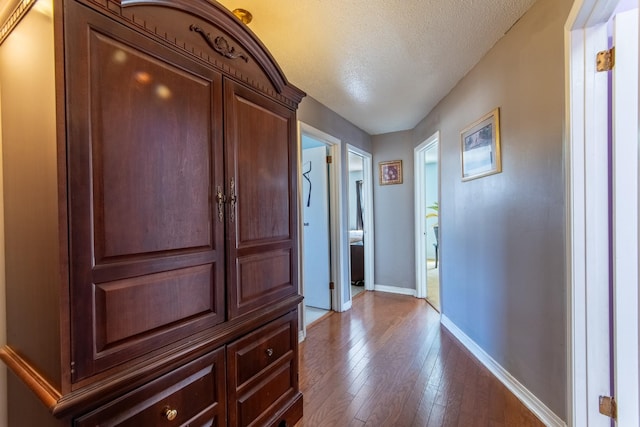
(387,362)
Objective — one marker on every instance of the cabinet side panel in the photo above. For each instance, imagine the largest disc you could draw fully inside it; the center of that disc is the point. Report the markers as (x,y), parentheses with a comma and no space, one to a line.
(25,409)
(31,194)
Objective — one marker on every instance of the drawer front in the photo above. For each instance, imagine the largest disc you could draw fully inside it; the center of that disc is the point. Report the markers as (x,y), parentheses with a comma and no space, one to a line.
(258,405)
(195,391)
(261,348)
(263,372)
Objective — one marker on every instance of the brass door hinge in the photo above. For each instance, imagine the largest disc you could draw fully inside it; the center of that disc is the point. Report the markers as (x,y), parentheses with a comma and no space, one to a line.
(608,406)
(331,285)
(329,159)
(606,59)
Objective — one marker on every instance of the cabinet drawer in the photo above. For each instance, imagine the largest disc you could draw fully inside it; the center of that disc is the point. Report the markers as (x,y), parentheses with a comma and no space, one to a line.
(261,348)
(257,405)
(263,372)
(196,391)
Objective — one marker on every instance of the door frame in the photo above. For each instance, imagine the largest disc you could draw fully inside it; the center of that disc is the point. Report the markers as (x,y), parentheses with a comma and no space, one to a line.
(587,244)
(626,135)
(420,208)
(367,189)
(338,236)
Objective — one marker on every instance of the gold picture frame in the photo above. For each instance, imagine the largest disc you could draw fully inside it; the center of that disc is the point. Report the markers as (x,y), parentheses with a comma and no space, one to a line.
(480,147)
(390,172)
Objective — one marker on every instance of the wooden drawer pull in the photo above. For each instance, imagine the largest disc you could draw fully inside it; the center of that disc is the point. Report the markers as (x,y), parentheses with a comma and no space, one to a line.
(269,352)
(170,414)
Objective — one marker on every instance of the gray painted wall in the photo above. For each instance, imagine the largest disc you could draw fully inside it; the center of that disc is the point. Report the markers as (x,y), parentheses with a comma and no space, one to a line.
(320,117)
(503,236)
(394,213)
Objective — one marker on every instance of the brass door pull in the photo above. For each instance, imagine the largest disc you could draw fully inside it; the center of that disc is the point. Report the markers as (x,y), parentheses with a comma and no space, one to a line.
(232,199)
(220,200)
(169,414)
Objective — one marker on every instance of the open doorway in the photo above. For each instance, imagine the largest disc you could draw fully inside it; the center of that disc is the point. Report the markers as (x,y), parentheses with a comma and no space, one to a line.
(360,221)
(323,270)
(316,228)
(427,188)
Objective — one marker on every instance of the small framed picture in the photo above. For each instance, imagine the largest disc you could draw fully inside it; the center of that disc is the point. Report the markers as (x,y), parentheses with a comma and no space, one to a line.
(390,172)
(481,147)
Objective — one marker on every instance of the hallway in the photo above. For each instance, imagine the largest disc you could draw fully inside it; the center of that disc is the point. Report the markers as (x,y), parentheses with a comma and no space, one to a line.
(387,362)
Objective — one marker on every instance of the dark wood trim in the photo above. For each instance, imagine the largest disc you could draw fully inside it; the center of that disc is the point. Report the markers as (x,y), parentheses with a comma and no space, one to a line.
(46,392)
(14,18)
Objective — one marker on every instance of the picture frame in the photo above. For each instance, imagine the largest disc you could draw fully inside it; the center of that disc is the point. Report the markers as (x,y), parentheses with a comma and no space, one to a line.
(390,172)
(480,147)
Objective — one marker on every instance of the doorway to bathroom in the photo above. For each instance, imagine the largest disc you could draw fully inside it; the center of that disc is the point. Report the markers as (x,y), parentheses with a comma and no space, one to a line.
(427,196)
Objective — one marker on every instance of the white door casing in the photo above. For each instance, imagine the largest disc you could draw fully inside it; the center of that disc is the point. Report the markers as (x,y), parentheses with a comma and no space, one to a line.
(589,327)
(421,211)
(625,217)
(367,190)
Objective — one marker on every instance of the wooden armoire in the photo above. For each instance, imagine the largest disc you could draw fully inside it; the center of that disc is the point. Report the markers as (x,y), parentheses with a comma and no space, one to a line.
(150,217)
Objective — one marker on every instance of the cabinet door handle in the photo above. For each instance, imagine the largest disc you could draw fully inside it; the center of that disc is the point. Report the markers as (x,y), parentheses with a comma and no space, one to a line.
(170,414)
(232,199)
(220,201)
(269,352)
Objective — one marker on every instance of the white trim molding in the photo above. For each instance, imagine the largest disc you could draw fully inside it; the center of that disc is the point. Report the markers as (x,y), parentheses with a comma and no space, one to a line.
(369,251)
(544,414)
(395,290)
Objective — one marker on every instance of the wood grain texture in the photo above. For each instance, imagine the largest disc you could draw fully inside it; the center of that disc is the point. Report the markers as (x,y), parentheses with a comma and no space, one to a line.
(387,362)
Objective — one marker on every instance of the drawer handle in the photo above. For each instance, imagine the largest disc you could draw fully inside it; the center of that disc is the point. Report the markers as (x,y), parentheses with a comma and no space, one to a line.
(269,352)
(170,414)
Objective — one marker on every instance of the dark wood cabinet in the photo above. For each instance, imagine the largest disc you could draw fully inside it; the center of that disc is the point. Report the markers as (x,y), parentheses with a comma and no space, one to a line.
(168,255)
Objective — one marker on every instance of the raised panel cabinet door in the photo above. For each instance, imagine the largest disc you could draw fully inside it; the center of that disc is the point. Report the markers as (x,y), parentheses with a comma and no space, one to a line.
(261,186)
(145,155)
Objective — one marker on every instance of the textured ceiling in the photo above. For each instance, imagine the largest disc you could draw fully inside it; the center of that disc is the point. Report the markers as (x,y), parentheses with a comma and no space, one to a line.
(381,64)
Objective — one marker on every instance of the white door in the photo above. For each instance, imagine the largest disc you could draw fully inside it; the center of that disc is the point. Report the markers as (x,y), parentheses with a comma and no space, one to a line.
(315,201)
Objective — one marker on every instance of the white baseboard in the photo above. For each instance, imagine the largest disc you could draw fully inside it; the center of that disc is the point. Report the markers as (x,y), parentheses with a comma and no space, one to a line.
(301,335)
(346,306)
(395,290)
(534,404)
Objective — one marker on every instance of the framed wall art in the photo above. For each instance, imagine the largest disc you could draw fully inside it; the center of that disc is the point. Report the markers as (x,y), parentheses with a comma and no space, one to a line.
(390,172)
(481,147)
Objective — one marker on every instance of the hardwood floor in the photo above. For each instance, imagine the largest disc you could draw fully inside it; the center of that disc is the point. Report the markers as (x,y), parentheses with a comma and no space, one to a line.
(387,362)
